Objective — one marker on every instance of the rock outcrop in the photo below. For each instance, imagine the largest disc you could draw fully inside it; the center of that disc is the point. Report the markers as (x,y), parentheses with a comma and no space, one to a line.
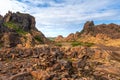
(88,25)
(72,37)
(18,28)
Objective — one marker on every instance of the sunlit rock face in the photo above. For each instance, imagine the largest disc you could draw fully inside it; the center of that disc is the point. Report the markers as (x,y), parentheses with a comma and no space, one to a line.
(102,30)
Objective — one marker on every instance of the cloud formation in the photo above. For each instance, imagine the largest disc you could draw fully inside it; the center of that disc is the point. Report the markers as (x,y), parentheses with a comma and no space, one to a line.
(54,17)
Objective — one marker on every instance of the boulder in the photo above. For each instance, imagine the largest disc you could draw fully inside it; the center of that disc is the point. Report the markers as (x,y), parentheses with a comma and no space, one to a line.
(40,75)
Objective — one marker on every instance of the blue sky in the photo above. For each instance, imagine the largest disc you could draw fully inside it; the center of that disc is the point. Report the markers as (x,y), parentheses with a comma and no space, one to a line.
(62,17)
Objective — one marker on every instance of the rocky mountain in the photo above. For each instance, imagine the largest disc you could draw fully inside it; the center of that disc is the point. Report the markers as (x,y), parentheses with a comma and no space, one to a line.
(102,31)
(18,29)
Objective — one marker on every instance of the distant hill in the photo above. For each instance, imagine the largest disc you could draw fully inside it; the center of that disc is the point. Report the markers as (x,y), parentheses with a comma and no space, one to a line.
(18,29)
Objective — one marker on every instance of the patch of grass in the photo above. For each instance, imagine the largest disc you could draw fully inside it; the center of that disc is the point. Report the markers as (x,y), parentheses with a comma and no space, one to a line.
(51,38)
(82,44)
(10,25)
(1,44)
(76,44)
(58,44)
(20,31)
(14,26)
(88,44)
(38,39)
(118,30)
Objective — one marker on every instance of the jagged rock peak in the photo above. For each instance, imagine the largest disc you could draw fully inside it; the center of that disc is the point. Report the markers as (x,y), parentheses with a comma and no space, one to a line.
(88,24)
(24,21)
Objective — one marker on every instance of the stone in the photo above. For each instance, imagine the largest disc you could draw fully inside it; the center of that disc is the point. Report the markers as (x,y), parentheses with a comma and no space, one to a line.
(40,75)
(21,76)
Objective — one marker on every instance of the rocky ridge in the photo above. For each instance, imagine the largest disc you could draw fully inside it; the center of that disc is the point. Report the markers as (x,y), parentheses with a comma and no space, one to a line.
(102,31)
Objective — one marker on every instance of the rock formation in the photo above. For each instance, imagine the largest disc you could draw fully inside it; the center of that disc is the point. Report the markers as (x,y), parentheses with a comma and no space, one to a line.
(60,38)
(102,31)
(72,37)
(19,29)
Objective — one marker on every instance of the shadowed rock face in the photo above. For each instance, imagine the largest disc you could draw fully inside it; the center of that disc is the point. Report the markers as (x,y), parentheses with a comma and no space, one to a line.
(88,25)
(24,21)
(1,17)
(22,25)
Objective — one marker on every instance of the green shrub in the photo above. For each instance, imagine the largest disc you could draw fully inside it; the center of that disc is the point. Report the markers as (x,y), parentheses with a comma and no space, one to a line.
(20,31)
(38,39)
(51,38)
(10,25)
(1,44)
(88,44)
(76,44)
(58,44)
(14,26)
(82,44)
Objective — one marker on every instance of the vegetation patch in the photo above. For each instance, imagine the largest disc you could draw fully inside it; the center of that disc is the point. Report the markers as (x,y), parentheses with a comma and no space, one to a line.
(38,39)
(51,38)
(58,44)
(14,26)
(1,45)
(82,44)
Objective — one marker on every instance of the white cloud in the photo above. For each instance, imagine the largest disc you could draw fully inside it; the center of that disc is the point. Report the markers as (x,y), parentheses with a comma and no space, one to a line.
(53,16)
(11,5)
